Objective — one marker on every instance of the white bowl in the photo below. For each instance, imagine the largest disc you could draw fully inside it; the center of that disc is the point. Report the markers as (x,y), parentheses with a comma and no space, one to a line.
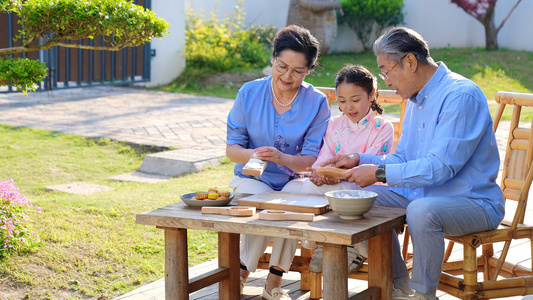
(351,204)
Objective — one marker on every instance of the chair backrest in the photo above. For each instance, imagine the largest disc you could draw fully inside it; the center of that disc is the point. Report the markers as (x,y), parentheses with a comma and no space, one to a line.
(384,96)
(517,173)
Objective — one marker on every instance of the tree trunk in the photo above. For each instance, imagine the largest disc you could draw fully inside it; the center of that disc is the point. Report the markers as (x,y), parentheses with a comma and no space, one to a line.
(491,33)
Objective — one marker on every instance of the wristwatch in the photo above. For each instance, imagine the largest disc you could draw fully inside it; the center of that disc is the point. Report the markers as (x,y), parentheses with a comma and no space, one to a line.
(380,174)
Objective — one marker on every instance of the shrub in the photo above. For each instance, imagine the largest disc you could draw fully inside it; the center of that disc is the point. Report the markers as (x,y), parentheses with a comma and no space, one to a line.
(21,73)
(15,234)
(225,45)
(368,18)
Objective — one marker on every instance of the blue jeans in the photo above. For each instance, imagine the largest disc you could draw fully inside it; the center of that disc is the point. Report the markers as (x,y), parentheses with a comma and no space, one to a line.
(429,220)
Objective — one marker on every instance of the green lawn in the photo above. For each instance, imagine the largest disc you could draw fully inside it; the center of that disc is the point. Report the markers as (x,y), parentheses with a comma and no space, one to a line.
(91,246)
(503,70)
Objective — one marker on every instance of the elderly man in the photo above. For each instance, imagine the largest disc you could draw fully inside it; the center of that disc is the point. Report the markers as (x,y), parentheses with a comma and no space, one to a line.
(446,161)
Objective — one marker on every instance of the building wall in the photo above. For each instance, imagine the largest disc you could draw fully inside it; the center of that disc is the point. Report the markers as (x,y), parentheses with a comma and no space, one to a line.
(169,59)
(440,22)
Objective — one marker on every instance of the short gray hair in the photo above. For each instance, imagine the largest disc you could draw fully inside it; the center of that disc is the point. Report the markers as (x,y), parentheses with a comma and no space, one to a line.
(400,41)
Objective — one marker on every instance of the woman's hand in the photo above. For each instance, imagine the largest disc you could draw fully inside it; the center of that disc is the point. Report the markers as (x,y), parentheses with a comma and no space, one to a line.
(346,161)
(271,154)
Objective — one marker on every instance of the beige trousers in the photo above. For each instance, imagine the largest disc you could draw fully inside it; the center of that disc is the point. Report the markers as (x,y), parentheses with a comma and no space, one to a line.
(253,246)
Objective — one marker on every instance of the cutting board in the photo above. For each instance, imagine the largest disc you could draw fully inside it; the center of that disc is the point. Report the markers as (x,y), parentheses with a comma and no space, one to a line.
(304,203)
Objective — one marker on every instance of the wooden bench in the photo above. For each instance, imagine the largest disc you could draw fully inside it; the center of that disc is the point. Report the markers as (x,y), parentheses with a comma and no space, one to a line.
(310,281)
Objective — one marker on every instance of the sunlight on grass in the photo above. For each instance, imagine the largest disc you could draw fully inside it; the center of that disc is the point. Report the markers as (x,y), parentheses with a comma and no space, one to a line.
(91,244)
(495,80)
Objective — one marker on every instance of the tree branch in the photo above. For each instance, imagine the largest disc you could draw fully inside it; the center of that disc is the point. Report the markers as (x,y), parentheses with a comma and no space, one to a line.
(507,17)
(51,44)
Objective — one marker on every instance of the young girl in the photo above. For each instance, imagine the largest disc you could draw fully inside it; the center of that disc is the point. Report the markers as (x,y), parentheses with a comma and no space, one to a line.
(359,129)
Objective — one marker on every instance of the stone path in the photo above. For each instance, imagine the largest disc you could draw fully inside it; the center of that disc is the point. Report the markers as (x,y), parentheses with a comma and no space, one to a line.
(125,114)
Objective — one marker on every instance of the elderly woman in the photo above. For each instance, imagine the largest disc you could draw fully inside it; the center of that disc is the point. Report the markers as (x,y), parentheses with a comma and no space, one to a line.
(280,119)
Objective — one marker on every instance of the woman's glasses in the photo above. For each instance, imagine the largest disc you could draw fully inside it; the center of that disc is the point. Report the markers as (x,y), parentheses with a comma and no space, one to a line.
(297,73)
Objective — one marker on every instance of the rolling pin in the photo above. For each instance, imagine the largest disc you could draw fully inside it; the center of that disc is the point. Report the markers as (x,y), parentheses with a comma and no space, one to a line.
(276,215)
(331,172)
(239,211)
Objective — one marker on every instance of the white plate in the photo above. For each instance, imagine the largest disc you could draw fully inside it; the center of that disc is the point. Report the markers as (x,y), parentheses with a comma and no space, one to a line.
(191,201)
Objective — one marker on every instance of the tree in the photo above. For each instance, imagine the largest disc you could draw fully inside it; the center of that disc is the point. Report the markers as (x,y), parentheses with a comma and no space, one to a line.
(49,23)
(368,18)
(483,11)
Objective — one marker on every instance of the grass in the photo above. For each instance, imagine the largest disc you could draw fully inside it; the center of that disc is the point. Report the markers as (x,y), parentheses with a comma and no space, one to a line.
(503,70)
(91,246)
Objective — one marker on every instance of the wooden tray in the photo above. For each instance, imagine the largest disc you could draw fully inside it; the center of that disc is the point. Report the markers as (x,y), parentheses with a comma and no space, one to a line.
(304,203)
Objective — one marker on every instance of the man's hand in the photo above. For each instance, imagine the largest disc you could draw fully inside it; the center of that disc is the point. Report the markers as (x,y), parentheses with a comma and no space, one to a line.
(343,161)
(363,175)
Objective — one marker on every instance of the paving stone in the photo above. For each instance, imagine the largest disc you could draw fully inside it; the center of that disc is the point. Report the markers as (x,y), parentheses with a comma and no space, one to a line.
(140,177)
(177,162)
(81,188)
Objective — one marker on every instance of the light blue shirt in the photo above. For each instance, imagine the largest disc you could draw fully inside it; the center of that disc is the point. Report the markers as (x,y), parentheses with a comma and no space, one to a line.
(254,122)
(448,146)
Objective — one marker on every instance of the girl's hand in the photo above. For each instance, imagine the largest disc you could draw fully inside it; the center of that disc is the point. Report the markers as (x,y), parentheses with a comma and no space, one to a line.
(320,180)
(330,181)
(315,178)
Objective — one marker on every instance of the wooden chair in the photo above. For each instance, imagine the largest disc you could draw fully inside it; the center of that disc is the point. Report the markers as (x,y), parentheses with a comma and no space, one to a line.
(500,278)
(310,281)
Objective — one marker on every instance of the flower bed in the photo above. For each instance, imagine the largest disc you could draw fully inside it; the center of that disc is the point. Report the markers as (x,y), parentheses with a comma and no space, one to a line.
(15,232)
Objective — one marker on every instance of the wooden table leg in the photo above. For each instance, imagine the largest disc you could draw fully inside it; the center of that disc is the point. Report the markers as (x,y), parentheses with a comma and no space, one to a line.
(176,264)
(335,272)
(380,264)
(228,256)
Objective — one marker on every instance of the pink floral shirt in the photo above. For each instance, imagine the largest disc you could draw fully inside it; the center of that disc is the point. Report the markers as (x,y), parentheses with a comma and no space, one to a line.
(372,135)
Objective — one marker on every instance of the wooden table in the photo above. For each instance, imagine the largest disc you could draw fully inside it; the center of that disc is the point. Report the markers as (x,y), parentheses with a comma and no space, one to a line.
(335,234)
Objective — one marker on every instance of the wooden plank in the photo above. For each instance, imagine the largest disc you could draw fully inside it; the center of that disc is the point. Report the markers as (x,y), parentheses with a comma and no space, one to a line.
(372,293)
(335,272)
(176,262)
(380,262)
(347,232)
(228,247)
(281,215)
(208,278)
(304,203)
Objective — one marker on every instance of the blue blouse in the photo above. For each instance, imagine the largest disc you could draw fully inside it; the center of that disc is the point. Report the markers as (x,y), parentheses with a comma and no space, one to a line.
(448,146)
(254,122)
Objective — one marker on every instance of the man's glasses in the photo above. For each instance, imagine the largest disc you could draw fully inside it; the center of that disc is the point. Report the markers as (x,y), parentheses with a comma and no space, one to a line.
(384,76)
(282,69)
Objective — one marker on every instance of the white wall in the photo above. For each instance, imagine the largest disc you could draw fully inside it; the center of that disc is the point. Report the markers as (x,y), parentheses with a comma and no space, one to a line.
(271,12)
(169,61)
(440,22)
(444,24)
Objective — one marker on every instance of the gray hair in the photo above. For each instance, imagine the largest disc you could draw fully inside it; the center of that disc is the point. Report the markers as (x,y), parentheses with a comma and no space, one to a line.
(400,41)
